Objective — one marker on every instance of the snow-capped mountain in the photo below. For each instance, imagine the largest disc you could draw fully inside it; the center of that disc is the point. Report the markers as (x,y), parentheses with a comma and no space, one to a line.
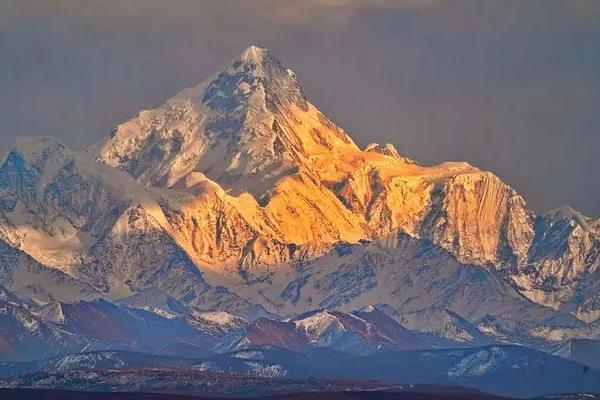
(217,324)
(238,195)
(76,229)
(23,335)
(266,333)
(251,132)
(362,332)
(31,331)
(443,328)
(564,263)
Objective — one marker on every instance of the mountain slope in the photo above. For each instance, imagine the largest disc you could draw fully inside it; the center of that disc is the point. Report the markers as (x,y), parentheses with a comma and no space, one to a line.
(24,336)
(531,373)
(92,361)
(363,332)
(239,192)
(443,327)
(90,229)
(251,130)
(487,369)
(409,274)
(251,134)
(564,263)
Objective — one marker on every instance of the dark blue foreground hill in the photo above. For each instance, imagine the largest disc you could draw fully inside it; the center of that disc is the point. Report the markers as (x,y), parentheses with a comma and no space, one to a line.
(511,371)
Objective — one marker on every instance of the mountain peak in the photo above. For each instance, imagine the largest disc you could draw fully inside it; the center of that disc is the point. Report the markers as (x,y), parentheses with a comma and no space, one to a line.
(261,62)
(568,214)
(254,54)
(387,148)
(244,128)
(255,71)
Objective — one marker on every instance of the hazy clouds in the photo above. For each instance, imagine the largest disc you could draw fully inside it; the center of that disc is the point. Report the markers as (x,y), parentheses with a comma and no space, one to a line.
(510,86)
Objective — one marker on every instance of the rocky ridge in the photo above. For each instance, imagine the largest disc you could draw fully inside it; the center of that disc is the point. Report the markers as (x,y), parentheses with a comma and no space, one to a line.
(239,192)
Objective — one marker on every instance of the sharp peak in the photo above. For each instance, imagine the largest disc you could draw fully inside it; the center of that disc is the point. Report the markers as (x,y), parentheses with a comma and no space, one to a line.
(253,62)
(255,53)
(262,59)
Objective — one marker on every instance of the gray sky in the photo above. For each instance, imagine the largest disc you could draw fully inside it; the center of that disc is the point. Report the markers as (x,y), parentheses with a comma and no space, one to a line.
(510,86)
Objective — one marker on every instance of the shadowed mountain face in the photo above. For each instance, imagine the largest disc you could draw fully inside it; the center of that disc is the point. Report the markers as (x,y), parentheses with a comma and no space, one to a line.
(225,217)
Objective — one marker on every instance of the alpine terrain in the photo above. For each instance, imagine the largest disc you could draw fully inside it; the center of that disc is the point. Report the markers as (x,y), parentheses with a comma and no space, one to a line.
(237,216)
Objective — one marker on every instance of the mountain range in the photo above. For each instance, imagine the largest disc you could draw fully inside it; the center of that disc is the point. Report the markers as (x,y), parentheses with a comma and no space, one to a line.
(270,371)
(236,214)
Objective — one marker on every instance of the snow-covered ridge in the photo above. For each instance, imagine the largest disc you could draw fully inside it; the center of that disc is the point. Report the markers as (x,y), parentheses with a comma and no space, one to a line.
(239,192)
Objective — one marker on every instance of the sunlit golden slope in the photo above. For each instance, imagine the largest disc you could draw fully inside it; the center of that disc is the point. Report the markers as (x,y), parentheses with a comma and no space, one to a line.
(283,174)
